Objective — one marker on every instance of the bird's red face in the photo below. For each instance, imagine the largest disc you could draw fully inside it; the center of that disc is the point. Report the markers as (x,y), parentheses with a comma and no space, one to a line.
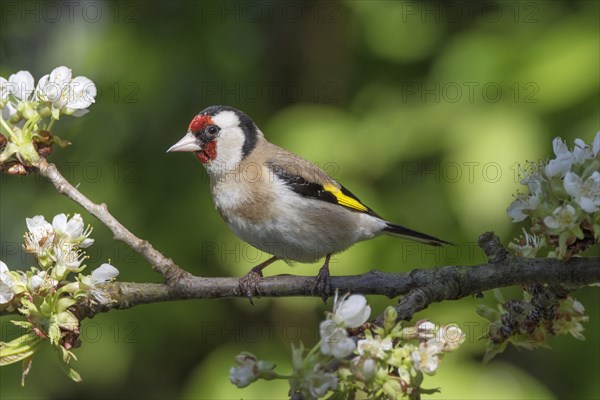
(220,137)
(209,150)
(201,138)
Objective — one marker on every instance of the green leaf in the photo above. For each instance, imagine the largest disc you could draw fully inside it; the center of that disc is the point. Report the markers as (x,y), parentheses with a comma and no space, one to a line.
(19,349)
(429,391)
(60,142)
(499,296)
(390,316)
(64,303)
(66,355)
(54,332)
(488,313)
(74,375)
(493,349)
(67,320)
(23,324)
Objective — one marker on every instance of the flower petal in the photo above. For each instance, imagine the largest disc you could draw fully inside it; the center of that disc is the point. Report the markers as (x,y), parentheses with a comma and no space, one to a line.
(59,222)
(588,205)
(104,273)
(82,92)
(74,227)
(564,159)
(61,75)
(6,293)
(559,147)
(596,144)
(515,210)
(354,311)
(21,85)
(551,222)
(37,223)
(4,92)
(3,268)
(572,184)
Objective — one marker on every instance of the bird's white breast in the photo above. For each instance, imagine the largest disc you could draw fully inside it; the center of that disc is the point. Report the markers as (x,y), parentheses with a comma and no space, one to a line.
(286,224)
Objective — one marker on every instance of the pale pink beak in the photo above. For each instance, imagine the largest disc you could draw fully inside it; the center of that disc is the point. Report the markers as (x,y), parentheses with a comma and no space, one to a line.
(187,143)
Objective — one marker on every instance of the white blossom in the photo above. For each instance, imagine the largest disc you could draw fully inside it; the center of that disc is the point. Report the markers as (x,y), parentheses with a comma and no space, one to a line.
(578,307)
(21,86)
(586,194)
(563,161)
(41,280)
(4,91)
(320,382)
(6,283)
(66,94)
(562,218)
(40,238)
(335,340)
(516,208)
(245,372)
(425,357)
(352,311)
(526,202)
(64,236)
(581,152)
(67,258)
(596,144)
(249,369)
(374,347)
(363,369)
(72,230)
(38,226)
(369,369)
(104,273)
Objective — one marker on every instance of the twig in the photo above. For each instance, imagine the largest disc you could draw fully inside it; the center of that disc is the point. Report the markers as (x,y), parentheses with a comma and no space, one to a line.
(161,264)
(422,287)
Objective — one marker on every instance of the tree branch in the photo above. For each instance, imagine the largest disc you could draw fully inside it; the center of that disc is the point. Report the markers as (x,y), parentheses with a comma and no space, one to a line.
(420,287)
(161,264)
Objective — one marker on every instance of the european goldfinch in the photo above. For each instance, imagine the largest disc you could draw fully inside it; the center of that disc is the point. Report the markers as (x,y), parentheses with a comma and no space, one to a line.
(277,201)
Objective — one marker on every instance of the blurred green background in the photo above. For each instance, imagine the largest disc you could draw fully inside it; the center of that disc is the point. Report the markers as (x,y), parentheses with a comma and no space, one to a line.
(422,109)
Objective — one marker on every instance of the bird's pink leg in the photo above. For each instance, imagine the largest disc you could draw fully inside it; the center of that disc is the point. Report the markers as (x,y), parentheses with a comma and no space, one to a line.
(249,283)
(323,281)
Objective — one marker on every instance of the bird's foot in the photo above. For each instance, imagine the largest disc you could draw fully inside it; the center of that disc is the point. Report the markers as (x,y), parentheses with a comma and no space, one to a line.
(323,282)
(248,284)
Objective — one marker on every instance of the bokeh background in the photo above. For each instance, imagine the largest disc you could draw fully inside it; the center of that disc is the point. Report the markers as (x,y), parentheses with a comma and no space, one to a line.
(423,109)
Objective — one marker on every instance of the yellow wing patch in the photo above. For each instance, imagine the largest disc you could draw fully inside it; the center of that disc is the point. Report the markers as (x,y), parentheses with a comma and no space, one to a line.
(345,200)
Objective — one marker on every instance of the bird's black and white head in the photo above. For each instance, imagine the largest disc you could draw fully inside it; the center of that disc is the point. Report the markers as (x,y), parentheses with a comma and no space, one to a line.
(220,137)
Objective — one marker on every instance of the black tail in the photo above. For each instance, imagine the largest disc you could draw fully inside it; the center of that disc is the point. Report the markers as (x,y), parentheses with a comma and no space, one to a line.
(400,231)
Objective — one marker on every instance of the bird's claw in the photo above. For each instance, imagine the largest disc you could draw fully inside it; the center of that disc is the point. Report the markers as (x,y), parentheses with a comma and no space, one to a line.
(248,285)
(323,284)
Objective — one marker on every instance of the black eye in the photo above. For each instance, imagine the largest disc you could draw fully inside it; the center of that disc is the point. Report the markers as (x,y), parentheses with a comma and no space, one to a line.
(212,129)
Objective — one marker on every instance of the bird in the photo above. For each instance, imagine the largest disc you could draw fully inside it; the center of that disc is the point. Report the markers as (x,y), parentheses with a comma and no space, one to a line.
(277,201)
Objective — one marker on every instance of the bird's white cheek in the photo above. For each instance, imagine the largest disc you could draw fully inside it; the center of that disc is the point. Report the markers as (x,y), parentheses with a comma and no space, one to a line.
(229,152)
